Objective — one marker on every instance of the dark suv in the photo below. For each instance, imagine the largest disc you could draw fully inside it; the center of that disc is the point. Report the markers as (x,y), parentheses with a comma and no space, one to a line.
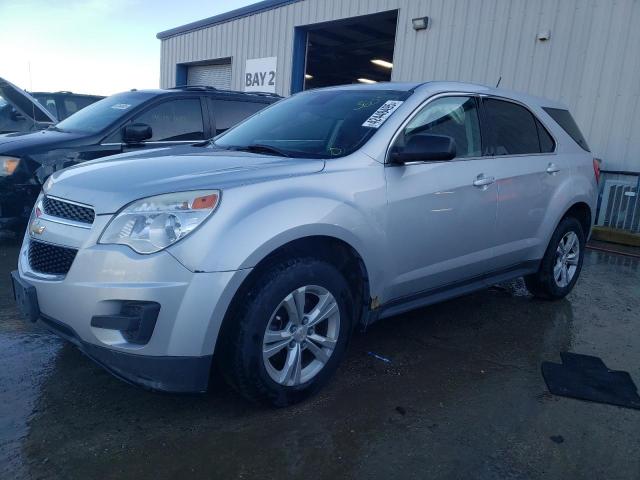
(64,104)
(124,122)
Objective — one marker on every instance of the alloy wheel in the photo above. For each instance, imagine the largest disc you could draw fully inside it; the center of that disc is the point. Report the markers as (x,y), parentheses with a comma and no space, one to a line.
(301,335)
(567,258)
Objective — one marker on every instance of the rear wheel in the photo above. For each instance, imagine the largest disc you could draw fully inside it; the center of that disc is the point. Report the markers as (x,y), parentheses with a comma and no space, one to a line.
(562,262)
(289,331)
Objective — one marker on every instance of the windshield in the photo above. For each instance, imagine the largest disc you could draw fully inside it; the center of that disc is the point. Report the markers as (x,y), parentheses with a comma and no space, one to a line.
(98,116)
(322,123)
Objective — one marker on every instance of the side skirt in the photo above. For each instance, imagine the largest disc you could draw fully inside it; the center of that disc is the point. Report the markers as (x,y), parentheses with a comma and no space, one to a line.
(452,290)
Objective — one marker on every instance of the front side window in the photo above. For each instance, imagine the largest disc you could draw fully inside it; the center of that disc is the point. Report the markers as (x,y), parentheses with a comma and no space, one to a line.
(514,129)
(455,117)
(175,120)
(320,123)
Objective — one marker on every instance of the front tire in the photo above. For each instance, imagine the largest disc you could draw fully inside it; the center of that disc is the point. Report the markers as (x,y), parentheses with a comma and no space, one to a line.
(288,332)
(561,265)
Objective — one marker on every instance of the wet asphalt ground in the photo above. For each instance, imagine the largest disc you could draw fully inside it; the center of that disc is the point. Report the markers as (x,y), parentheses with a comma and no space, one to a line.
(462,397)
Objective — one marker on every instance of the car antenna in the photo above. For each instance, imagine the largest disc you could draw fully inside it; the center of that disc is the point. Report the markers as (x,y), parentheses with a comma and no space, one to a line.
(499,80)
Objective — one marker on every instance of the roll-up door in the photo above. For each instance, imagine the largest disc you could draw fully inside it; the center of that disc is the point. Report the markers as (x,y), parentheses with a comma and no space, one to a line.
(213,75)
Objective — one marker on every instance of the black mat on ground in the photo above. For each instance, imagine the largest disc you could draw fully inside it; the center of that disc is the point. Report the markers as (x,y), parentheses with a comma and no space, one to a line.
(588,378)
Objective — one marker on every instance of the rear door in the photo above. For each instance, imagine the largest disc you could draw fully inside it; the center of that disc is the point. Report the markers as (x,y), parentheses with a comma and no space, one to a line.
(527,172)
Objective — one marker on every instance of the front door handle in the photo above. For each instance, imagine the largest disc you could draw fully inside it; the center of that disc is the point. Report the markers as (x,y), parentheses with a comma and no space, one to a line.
(482,181)
(552,168)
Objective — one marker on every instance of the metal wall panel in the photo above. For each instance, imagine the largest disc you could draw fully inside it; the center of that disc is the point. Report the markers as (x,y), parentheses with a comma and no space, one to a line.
(591,62)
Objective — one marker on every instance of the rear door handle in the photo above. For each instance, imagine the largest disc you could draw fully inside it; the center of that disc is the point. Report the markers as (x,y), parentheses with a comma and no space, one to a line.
(552,168)
(482,181)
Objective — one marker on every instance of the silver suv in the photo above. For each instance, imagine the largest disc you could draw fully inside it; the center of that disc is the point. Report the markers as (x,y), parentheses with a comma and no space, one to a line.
(261,251)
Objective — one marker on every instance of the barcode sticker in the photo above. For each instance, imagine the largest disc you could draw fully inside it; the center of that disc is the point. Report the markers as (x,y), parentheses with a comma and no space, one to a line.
(382,113)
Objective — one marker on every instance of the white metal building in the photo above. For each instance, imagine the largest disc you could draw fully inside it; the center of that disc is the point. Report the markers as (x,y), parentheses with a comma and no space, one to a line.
(585,53)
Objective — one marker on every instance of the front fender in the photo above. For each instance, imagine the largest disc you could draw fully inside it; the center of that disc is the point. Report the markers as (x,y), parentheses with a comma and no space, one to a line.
(255,220)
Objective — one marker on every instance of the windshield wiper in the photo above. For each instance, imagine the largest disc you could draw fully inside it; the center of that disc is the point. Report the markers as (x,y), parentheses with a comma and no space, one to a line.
(260,148)
(55,128)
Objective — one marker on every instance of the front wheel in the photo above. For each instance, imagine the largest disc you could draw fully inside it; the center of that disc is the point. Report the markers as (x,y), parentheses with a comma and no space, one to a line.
(561,264)
(289,331)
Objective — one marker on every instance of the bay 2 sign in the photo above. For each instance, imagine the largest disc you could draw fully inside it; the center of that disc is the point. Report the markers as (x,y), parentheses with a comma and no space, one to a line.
(260,75)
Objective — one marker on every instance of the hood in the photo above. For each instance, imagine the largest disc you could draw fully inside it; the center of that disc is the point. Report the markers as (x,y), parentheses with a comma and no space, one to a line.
(109,184)
(34,142)
(24,103)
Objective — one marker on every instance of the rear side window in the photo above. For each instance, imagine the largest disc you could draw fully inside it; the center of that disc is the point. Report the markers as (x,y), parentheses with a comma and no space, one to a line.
(81,102)
(227,113)
(71,106)
(514,128)
(49,103)
(568,124)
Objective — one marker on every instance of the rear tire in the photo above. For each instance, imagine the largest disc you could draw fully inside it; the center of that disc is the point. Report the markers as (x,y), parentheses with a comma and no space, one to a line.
(288,332)
(562,262)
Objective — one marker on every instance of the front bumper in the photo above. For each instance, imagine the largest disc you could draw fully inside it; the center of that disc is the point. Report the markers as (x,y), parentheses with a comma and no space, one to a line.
(166,374)
(16,202)
(178,354)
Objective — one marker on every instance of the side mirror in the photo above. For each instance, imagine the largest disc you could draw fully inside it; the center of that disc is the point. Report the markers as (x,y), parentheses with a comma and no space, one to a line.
(423,147)
(136,133)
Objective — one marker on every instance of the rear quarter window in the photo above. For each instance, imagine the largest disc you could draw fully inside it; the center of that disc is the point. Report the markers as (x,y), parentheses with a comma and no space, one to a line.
(547,144)
(564,118)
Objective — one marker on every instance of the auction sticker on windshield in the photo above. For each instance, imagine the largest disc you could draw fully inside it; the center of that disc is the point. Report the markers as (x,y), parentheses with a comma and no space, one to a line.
(382,113)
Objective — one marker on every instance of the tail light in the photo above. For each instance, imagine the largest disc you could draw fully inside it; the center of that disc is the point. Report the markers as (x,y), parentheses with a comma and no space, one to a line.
(596,169)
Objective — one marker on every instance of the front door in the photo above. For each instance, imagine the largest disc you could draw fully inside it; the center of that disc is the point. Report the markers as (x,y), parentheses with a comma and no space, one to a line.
(442,215)
(172,122)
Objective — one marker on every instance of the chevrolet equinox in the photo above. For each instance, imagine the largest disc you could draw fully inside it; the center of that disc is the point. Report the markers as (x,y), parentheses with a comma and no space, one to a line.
(261,251)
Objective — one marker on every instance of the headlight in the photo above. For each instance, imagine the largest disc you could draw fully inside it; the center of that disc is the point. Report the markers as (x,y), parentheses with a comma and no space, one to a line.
(152,224)
(8,165)
(47,184)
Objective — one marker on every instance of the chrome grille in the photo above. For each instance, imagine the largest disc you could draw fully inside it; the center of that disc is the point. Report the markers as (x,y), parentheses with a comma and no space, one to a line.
(50,259)
(69,211)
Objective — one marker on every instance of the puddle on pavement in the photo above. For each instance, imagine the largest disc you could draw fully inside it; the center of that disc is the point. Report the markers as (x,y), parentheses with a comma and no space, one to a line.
(470,361)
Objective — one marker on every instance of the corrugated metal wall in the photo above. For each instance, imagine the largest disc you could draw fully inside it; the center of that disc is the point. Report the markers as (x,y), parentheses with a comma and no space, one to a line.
(591,63)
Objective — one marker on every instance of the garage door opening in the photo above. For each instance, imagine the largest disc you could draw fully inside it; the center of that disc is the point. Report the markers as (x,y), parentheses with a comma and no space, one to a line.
(357,50)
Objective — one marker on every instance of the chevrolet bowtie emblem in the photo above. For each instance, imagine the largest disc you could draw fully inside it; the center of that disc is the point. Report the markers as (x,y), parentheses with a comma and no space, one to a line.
(36,228)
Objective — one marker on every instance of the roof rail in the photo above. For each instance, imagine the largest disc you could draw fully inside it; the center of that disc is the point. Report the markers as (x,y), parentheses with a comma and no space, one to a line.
(220,90)
(193,87)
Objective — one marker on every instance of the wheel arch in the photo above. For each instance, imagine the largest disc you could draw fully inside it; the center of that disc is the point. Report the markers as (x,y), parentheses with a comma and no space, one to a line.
(581,211)
(336,251)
